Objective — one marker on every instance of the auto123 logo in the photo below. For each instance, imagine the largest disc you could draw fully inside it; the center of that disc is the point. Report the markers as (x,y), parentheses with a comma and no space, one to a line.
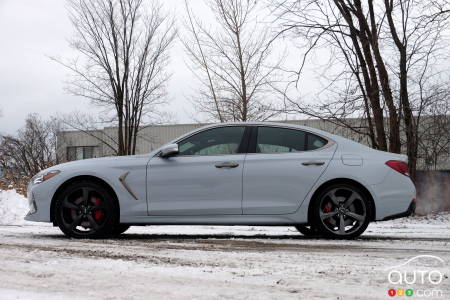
(420,276)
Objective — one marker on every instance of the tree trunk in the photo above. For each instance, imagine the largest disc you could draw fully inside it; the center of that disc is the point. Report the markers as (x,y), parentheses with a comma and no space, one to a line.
(411,138)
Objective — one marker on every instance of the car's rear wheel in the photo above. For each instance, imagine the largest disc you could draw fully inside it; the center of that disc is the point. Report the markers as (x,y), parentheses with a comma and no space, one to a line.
(86,210)
(341,211)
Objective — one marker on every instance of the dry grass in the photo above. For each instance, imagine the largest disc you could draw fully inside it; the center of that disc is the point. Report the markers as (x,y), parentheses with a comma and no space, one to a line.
(14,181)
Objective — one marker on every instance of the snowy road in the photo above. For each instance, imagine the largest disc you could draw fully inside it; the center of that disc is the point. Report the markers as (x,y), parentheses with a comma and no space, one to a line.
(206,262)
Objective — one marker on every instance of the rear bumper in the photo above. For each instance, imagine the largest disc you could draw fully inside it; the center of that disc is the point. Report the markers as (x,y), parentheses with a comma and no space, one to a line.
(393,196)
(411,209)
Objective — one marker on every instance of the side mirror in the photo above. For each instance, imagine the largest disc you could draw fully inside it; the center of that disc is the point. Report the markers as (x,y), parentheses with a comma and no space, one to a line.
(169,150)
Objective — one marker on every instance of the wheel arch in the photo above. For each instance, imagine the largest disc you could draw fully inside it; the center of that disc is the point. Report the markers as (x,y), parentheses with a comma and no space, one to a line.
(76,179)
(342,181)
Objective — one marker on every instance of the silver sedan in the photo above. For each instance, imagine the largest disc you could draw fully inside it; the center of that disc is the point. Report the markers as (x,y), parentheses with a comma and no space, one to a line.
(229,174)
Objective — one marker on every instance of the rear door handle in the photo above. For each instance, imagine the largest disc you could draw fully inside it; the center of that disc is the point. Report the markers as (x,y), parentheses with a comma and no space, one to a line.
(313,163)
(227,165)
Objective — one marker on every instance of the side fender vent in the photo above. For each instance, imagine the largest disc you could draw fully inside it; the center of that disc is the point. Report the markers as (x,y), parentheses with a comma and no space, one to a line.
(125,185)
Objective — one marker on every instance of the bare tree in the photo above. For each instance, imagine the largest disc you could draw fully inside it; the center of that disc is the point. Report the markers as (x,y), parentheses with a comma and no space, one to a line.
(415,28)
(31,150)
(124,51)
(231,60)
(434,137)
(381,46)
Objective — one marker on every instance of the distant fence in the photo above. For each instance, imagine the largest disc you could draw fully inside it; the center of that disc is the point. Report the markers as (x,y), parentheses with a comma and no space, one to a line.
(433,191)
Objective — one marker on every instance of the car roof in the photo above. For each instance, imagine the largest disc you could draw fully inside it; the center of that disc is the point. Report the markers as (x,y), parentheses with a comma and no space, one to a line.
(274,124)
(325,134)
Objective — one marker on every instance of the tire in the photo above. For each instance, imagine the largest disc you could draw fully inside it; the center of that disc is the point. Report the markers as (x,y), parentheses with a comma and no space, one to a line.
(341,211)
(308,230)
(86,209)
(119,229)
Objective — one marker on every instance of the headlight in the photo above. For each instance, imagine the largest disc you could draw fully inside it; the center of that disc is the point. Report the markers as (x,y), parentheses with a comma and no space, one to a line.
(45,176)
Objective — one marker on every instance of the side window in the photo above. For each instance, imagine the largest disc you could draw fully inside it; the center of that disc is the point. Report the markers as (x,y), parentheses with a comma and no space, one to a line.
(274,140)
(216,141)
(315,142)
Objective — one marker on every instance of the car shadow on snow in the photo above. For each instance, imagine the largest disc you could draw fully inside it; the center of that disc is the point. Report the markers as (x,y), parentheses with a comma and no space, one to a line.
(225,236)
(133,236)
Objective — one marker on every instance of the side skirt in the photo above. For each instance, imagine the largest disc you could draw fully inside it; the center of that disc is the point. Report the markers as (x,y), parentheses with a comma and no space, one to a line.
(272,220)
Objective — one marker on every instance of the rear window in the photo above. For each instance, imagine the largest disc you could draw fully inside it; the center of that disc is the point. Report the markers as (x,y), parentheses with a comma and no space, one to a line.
(273,140)
(315,142)
(282,140)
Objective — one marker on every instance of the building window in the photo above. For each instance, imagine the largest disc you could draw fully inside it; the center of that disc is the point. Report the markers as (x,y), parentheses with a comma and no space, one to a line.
(83,152)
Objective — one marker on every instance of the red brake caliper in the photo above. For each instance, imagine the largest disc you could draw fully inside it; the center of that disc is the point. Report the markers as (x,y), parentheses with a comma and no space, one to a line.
(98,214)
(327,208)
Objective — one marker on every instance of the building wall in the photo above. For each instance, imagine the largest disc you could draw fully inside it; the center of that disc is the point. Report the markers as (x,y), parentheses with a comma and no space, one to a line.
(152,137)
(80,139)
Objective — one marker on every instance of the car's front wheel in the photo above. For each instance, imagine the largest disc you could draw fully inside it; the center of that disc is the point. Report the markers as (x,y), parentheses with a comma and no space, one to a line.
(341,211)
(308,230)
(86,210)
(119,229)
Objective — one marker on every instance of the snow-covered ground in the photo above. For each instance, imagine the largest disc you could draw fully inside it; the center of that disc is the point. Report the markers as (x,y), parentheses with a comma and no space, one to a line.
(13,207)
(208,262)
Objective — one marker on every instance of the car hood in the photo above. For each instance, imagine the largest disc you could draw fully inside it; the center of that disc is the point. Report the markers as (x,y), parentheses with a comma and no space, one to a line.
(92,162)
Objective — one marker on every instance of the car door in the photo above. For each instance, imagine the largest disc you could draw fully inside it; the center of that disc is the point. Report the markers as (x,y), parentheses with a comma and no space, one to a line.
(282,169)
(205,178)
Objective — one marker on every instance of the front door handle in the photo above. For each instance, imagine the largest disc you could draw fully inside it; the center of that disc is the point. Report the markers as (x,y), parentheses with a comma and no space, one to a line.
(227,165)
(313,163)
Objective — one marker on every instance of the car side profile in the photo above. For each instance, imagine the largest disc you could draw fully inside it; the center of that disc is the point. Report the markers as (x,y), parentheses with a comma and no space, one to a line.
(249,173)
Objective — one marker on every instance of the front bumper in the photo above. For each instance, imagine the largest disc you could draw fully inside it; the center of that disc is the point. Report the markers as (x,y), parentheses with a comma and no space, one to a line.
(39,200)
(32,205)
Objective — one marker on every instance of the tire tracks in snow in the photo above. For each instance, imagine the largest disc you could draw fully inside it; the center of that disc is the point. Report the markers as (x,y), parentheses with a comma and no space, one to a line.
(99,254)
(136,249)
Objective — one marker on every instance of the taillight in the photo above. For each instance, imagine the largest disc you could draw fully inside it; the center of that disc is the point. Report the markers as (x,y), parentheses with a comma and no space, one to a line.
(399,166)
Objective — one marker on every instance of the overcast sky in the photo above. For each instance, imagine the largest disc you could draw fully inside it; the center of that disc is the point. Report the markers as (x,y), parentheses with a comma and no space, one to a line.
(30,82)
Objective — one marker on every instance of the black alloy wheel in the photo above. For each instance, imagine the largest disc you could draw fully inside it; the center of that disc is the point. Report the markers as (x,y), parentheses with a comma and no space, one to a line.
(119,229)
(86,210)
(341,211)
(308,230)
